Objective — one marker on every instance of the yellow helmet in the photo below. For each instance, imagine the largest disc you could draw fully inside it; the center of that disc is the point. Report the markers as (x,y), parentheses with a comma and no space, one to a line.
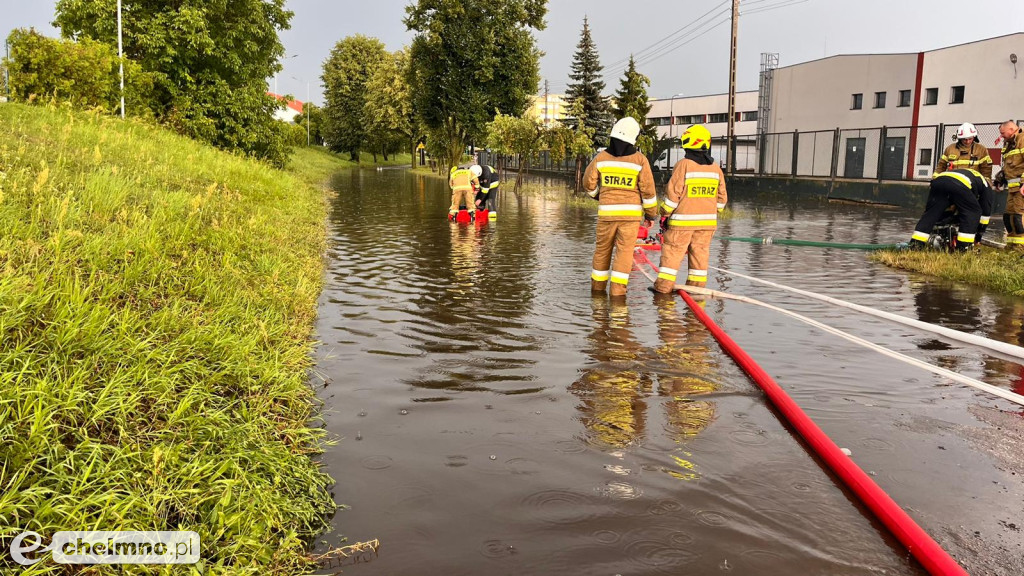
(696,137)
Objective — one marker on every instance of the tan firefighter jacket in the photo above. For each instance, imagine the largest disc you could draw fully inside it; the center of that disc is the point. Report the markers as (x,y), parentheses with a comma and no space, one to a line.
(1013,160)
(955,157)
(626,186)
(463,179)
(694,196)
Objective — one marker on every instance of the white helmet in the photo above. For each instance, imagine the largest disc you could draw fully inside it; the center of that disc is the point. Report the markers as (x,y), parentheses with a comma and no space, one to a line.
(476,170)
(626,130)
(966,130)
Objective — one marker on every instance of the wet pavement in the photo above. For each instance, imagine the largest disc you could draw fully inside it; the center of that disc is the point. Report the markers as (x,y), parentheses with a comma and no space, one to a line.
(495,418)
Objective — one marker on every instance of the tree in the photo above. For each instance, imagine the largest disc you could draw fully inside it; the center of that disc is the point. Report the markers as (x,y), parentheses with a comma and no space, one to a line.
(631,100)
(516,136)
(576,141)
(315,115)
(471,60)
(209,59)
(346,73)
(388,109)
(586,86)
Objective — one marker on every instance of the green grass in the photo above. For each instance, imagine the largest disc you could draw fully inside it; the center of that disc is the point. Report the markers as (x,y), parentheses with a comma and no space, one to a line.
(156,302)
(317,160)
(995,269)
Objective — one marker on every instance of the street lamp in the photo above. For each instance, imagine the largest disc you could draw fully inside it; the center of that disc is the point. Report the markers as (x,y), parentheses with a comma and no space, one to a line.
(120,54)
(308,107)
(283,58)
(672,125)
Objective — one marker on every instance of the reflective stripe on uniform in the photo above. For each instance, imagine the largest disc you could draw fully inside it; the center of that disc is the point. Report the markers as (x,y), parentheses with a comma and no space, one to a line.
(600,275)
(963,179)
(1015,239)
(620,210)
(708,175)
(1013,152)
(720,205)
(669,205)
(666,273)
(693,220)
(985,219)
(619,174)
(620,277)
(650,202)
(591,193)
(966,238)
(697,276)
(921,236)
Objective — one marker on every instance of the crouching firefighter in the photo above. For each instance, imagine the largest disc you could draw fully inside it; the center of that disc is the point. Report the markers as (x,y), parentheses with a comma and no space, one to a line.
(626,196)
(463,181)
(487,197)
(694,196)
(968,192)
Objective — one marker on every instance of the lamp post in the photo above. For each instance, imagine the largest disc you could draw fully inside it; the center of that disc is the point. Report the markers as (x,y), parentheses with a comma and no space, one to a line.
(120,54)
(308,106)
(672,125)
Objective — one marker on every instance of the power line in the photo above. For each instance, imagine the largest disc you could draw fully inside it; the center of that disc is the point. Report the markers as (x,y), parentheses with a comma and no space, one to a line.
(770,7)
(678,43)
(668,37)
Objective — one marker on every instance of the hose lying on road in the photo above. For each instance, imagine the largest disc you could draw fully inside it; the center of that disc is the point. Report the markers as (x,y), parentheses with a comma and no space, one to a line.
(936,560)
(959,378)
(769,240)
(995,345)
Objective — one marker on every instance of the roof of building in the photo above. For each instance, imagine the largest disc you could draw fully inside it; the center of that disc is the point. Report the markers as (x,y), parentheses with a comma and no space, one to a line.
(701,96)
(295,105)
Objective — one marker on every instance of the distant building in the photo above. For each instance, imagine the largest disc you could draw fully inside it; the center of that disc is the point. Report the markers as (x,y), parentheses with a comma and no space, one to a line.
(547,110)
(288,114)
(672,116)
(896,112)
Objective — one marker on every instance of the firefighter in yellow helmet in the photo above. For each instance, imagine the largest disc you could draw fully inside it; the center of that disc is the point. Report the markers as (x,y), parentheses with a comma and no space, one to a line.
(464,181)
(626,197)
(1010,180)
(966,152)
(694,196)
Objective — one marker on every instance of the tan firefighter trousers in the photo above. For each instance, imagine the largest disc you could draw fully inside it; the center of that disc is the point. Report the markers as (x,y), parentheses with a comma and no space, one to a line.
(679,243)
(620,236)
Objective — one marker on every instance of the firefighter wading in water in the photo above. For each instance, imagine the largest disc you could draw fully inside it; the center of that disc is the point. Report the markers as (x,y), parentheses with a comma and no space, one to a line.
(626,196)
(694,196)
(464,181)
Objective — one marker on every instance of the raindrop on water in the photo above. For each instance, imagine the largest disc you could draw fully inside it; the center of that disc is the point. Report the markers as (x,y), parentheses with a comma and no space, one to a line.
(359,435)
(403,411)
(362,413)
(493,457)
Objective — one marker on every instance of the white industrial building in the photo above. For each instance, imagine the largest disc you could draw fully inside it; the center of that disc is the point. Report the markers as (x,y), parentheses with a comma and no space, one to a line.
(713,112)
(890,115)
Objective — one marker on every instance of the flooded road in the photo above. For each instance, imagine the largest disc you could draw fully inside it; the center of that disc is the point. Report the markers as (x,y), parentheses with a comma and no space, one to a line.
(495,418)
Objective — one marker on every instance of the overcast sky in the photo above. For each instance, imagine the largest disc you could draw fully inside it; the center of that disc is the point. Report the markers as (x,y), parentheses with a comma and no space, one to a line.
(799,30)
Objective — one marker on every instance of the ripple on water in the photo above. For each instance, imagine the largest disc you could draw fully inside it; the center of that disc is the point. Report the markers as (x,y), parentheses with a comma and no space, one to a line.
(497,549)
(662,555)
(711,518)
(376,462)
(560,506)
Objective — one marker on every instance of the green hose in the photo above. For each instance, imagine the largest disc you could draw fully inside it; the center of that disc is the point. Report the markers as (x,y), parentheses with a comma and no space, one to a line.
(770,240)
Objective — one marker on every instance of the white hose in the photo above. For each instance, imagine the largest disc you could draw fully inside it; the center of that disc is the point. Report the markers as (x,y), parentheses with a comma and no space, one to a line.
(1001,347)
(995,390)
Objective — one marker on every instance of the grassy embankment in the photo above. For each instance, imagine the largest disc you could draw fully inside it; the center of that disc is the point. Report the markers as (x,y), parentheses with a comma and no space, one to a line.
(156,302)
(991,268)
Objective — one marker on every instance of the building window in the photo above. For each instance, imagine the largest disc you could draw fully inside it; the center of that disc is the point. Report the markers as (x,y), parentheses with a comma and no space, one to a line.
(750,116)
(904,98)
(956,95)
(879,99)
(858,102)
(931,97)
(925,157)
(690,120)
(713,118)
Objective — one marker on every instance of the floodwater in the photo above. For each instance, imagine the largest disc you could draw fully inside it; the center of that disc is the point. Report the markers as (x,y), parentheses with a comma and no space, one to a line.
(495,418)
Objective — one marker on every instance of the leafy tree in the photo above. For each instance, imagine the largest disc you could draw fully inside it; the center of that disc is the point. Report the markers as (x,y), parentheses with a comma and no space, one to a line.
(209,60)
(631,100)
(84,73)
(516,136)
(388,109)
(346,74)
(315,114)
(586,86)
(471,59)
(575,141)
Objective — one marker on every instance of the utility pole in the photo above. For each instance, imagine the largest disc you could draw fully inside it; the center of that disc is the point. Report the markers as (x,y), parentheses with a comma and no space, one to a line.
(7,71)
(730,163)
(308,106)
(120,54)
(547,121)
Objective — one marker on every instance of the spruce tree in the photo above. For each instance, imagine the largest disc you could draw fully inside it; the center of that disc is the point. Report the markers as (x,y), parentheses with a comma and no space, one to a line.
(631,100)
(586,85)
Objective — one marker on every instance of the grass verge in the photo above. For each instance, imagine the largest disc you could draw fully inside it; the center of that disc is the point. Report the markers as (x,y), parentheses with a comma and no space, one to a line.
(994,269)
(156,302)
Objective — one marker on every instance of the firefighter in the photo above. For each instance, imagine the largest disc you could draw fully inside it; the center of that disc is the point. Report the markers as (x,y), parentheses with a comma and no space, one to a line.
(694,196)
(487,197)
(1009,179)
(966,152)
(464,181)
(967,191)
(626,197)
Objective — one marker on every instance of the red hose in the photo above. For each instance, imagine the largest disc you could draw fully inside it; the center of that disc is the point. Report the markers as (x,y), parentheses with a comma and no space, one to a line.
(934,559)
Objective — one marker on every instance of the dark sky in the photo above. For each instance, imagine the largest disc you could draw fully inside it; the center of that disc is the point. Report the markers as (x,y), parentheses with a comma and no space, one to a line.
(798,30)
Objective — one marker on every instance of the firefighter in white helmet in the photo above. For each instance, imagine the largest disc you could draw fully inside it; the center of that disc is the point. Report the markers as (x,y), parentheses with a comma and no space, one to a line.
(620,177)
(966,153)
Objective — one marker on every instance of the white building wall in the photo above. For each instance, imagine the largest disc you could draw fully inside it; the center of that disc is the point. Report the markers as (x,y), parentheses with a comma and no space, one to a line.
(705,106)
